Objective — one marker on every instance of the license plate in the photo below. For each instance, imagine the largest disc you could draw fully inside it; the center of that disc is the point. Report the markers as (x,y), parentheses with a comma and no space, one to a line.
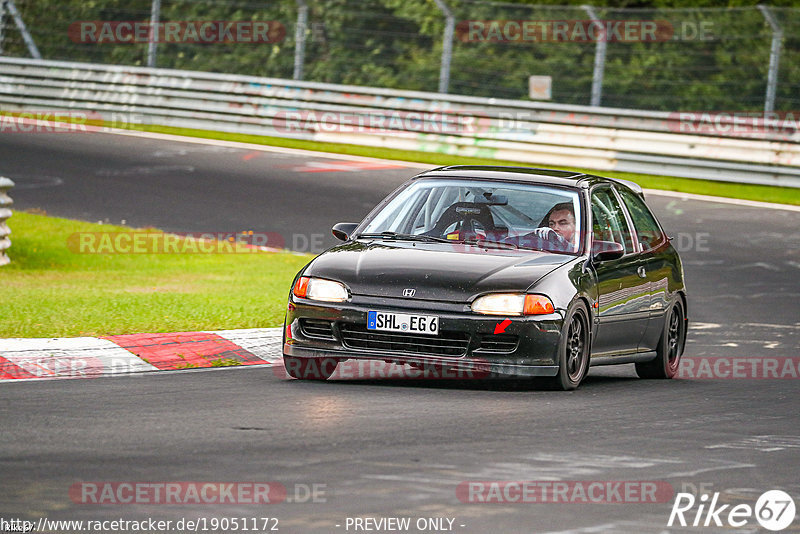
(403,322)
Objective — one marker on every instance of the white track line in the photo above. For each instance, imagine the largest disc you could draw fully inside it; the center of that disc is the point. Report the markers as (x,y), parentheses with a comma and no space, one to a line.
(265,148)
(416,165)
(724,200)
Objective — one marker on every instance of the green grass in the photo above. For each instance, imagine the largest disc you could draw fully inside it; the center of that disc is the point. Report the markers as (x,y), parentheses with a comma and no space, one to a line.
(50,290)
(764,193)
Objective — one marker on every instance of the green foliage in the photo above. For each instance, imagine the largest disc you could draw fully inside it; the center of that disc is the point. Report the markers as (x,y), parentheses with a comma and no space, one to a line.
(398,44)
(225,362)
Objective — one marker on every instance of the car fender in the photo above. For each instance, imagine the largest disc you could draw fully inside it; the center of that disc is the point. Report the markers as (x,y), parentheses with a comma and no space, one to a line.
(566,284)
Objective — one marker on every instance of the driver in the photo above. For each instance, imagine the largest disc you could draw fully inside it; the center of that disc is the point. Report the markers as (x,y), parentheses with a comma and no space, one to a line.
(561,221)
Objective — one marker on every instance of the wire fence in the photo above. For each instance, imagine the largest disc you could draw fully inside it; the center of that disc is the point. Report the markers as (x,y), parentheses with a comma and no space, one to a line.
(733,59)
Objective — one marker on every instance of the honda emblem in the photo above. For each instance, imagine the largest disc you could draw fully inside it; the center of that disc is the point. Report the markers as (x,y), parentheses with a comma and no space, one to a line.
(409,292)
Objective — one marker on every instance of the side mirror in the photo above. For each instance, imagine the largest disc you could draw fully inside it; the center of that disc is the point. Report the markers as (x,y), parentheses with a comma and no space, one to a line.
(342,231)
(607,250)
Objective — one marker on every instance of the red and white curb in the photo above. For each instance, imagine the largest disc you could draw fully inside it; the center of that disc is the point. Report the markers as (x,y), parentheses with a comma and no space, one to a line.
(92,357)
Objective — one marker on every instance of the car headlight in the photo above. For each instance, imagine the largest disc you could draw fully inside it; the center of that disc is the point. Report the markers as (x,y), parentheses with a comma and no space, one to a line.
(320,289)
(513,304)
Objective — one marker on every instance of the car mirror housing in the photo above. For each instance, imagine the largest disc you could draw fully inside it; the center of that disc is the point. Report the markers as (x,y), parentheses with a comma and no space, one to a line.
(342,231)
(607,250)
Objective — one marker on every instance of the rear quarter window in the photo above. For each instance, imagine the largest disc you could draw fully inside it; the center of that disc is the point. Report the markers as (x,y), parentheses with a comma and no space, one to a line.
(648,230)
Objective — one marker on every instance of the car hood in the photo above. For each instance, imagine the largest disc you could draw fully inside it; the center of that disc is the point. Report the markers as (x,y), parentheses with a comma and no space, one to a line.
(436,271)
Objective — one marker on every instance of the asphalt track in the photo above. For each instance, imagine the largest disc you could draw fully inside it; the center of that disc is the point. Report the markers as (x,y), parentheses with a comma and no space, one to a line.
(397,448)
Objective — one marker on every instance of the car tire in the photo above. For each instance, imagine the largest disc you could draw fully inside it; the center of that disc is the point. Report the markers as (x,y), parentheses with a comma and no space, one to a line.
(309,368)
(573,348)
(670,346)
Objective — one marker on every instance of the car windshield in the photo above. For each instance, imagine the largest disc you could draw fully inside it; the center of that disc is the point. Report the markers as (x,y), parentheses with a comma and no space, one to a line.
(506,215)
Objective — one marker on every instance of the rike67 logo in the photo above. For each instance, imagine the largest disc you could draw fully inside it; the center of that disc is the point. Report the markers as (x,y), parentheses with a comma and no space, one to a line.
(774,510)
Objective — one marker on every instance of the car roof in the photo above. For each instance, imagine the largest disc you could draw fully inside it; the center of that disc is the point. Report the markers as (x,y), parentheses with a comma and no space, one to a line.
(526,174)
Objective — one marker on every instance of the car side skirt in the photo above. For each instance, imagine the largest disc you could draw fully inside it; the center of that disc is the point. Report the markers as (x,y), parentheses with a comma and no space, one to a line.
(614,359)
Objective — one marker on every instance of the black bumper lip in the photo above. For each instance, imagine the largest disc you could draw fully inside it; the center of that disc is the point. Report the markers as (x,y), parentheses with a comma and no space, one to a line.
(534,355)
(464,367)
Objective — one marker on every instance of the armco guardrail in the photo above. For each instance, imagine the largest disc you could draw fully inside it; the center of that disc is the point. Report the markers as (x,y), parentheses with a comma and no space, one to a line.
(741,150)
(5,213)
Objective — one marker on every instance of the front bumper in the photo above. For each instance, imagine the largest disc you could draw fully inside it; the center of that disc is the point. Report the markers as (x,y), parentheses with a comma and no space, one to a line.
(465,342)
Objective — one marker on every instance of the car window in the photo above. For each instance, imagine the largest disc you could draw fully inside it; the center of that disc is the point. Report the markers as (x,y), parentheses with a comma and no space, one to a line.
(459,209)
(608,220)
(647,229)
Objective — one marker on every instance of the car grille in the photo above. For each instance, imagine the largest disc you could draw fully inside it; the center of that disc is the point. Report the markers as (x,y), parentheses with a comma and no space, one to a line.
(443,344)
(317,328)
(498,343)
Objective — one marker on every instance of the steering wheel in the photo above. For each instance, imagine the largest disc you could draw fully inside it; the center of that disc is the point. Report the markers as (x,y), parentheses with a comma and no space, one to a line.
(556,239)
(544,238)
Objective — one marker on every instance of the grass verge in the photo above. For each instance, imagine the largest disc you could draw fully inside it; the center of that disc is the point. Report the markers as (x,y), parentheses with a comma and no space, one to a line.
(763,193)
(51,290)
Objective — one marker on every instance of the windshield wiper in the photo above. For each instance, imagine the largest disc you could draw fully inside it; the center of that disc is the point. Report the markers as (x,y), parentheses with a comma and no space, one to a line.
(407,237)
(485,243)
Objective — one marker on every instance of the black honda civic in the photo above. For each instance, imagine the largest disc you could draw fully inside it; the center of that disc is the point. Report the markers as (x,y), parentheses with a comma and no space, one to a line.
(486,271)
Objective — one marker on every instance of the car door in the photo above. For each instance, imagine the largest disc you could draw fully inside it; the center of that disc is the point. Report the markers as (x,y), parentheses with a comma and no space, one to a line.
(652,243)
(623,291)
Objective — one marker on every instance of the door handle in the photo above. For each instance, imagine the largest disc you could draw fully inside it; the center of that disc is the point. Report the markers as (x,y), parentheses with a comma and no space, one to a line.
(642,272)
